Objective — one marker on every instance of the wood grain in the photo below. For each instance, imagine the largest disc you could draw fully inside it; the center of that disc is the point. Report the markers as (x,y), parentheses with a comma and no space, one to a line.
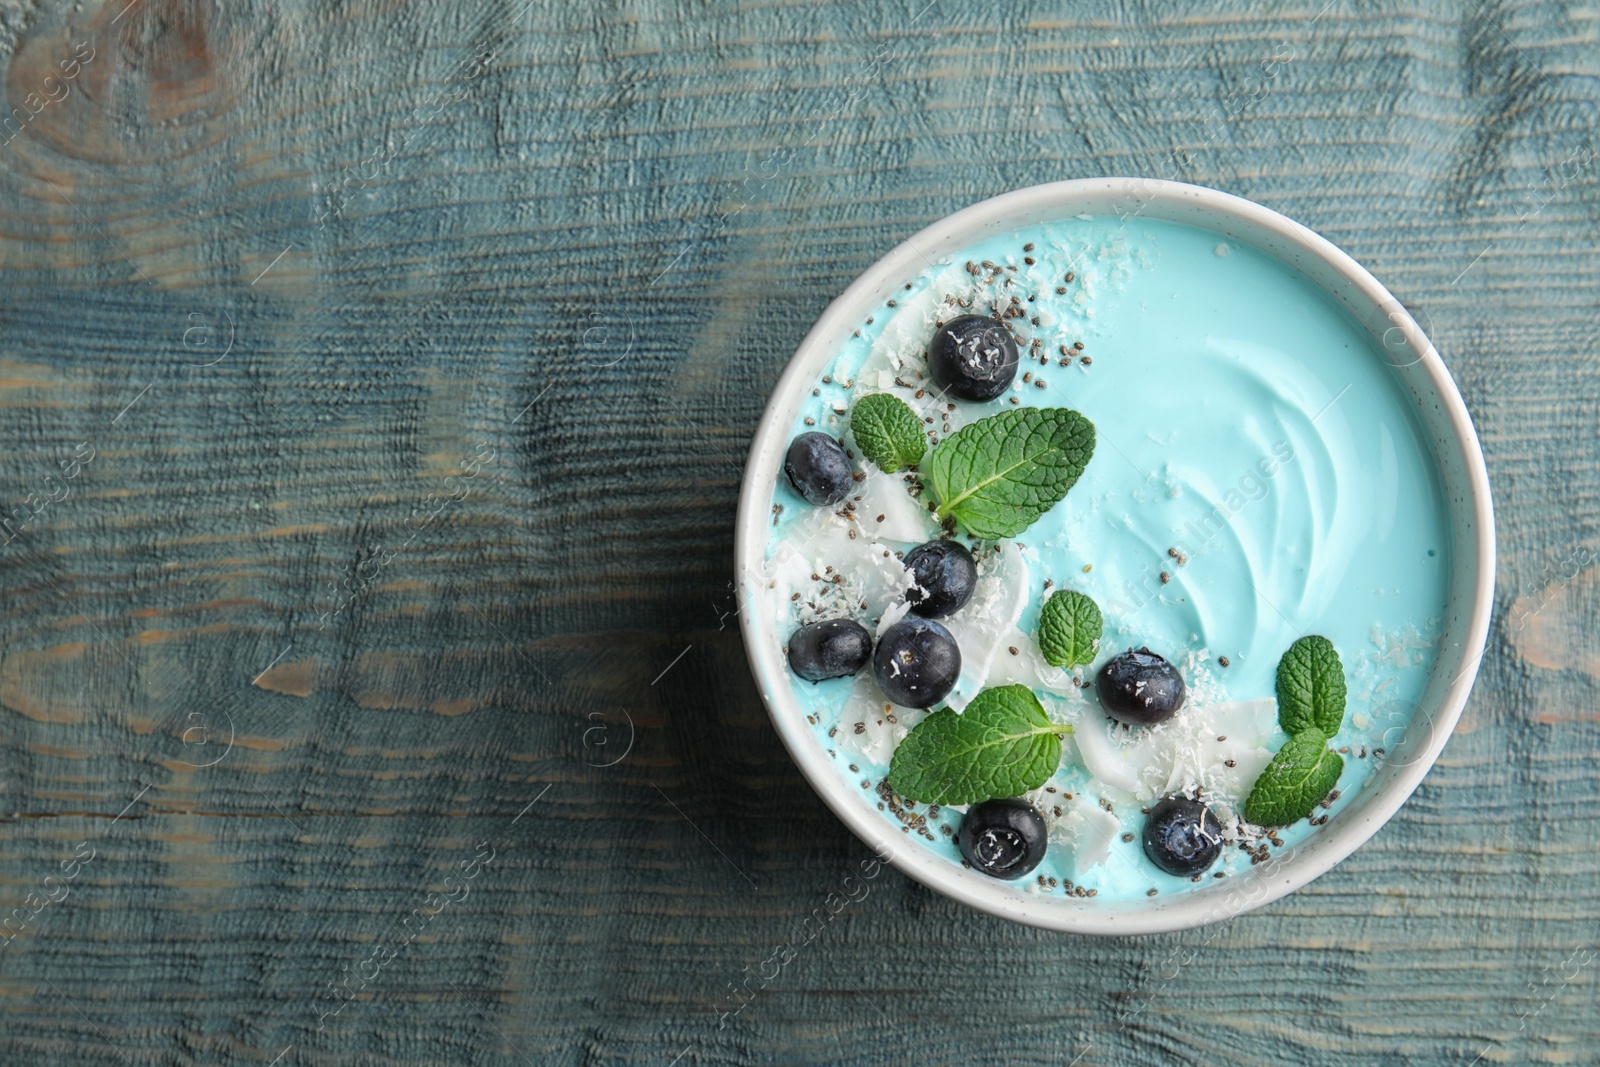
(417,347)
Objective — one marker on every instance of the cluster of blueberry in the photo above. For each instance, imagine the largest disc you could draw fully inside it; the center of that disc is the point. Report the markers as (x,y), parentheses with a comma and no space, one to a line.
(917,660)
(1008,838)
(1140,688)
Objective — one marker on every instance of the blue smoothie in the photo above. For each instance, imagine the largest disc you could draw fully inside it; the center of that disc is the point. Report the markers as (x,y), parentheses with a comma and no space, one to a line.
(1258,476)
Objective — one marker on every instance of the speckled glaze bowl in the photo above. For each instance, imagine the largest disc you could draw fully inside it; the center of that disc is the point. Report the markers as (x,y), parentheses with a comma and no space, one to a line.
(1397,339)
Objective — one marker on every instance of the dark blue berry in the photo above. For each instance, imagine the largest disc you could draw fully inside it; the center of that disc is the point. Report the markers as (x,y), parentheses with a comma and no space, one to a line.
(917,663)
(973,357)
(1003,838)
(832,648)
(818,468)
(1140,688)
(945,574)
(1181,836)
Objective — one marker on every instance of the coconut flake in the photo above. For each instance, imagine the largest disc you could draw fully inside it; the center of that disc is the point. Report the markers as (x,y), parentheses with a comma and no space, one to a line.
(891,615)
(1183,754)
(984,625)
(1027,667)
(884,724)
(1106,760)
(905,519)
(1085,834)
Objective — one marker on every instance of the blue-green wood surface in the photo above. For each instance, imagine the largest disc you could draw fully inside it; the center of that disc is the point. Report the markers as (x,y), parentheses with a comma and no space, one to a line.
(375,380)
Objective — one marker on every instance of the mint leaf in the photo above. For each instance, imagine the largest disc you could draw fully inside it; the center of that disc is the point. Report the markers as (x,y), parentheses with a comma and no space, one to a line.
(1002,745)
(1070,625)
(997,475)
(1299,776)
(1311,687)
(888,431)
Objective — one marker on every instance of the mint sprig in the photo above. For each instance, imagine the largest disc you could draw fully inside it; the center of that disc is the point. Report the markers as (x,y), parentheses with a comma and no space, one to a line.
(1311,689)
(997,475)
(888,431)
(1000,746)
(1299,776)
(1311,697)
(1070,625)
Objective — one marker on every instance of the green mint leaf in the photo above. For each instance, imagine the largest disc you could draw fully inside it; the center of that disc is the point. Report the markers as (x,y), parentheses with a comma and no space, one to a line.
(888,431)
(1311,687)
(1069,628)
(1299,776)
(1000,746)
(997,475)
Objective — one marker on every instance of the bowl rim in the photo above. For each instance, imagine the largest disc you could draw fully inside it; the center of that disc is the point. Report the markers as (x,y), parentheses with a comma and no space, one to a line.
(1335,842)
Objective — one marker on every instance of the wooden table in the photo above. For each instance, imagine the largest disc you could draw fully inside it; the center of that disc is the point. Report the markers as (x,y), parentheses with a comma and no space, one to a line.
(374,390)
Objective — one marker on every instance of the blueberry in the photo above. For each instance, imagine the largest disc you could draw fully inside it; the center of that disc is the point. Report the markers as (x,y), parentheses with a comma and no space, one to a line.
(1003,838)
(832,648)
(1181,836)
(973,357)
(917,663)
(945,574)
(818,468)
(1140,688)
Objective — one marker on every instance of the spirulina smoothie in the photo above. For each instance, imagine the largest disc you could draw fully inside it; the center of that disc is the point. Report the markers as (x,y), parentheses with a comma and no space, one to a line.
(1251,510)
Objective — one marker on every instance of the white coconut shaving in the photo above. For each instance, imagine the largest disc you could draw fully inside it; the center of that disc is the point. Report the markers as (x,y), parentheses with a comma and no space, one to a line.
(870,725)
(985,625)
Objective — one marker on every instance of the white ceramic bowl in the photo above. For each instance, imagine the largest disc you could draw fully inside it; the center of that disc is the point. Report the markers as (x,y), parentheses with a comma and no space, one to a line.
(1444,419)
